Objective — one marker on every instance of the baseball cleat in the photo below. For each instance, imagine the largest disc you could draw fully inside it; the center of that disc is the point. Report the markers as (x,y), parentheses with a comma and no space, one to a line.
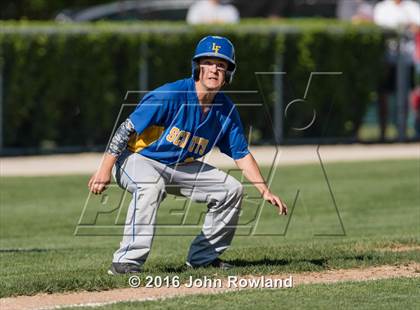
(123,268)
(217,263)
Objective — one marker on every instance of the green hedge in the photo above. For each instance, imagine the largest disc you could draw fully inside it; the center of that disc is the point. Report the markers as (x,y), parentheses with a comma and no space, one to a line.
(64,84)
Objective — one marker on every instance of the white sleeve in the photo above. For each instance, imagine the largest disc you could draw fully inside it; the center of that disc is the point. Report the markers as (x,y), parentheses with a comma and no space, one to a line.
(382,18)
(194,13)
(414,13)
(232,15)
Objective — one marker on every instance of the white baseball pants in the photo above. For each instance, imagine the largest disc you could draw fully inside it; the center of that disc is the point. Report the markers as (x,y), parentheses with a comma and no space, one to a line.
(149,181)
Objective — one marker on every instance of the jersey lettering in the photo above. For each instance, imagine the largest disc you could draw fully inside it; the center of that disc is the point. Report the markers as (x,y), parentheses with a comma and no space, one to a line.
(181,138)
(201,147)
(194,142)
(172,134)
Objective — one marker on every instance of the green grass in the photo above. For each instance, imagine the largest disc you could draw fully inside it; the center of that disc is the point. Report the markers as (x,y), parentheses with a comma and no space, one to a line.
(399,293)
(378,203)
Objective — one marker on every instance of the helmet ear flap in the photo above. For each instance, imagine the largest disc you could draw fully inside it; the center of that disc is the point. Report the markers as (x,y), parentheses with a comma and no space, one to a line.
(228,76)
(195,70)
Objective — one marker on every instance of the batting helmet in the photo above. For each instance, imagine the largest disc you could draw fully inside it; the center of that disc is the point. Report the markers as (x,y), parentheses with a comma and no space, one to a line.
(217,47)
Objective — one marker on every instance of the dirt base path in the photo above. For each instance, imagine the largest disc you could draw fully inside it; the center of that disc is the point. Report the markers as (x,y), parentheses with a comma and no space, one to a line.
(87,163)
(51,301)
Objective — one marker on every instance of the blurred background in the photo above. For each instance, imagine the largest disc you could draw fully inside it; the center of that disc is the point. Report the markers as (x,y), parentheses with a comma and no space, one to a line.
(348,68)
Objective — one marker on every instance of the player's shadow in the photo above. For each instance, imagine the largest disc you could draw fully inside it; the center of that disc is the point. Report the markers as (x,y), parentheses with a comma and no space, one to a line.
(244,263)
(277,262)
(321,262)
(174,270)
(18,250)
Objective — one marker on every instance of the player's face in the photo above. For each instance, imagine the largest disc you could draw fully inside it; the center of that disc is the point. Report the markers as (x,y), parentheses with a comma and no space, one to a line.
(212,73)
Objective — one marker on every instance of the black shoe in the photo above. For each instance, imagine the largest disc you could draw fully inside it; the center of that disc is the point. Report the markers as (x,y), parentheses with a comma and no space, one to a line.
(123,268)
(217,263)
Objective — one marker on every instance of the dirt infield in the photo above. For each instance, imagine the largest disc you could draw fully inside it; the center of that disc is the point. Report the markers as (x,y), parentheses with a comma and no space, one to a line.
(51,301)
(87,163)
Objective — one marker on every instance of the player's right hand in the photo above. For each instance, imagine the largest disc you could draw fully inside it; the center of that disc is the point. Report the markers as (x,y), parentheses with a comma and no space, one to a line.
(99,181)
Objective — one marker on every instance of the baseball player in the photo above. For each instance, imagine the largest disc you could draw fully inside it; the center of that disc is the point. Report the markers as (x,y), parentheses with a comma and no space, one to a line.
(155,151)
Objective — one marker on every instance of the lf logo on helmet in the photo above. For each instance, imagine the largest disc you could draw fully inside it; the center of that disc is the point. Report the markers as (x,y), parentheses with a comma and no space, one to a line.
(216,48)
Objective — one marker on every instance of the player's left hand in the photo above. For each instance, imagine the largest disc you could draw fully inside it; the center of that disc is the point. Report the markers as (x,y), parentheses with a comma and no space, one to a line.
(276,201)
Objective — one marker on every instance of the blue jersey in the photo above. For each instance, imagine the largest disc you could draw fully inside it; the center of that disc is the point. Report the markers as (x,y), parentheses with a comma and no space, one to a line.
(171,128)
